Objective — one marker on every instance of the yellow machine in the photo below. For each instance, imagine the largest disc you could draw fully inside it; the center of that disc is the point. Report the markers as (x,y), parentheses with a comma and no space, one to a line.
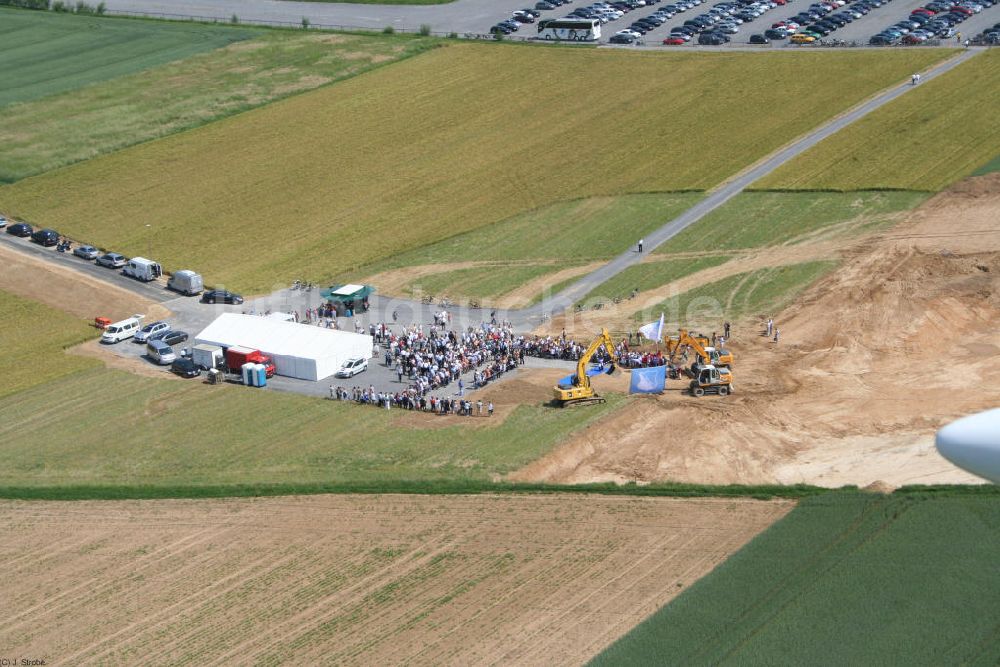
(577,389)
(707,355)
(711,380)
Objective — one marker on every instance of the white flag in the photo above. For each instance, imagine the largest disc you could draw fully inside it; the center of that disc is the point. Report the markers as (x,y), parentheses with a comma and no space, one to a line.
(654,330)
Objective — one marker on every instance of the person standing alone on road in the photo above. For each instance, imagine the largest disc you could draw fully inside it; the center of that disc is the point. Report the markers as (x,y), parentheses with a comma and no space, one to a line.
(640,246)
(489,408)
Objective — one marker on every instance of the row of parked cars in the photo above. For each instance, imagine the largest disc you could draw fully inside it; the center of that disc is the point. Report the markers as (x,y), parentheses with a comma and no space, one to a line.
(934,20)
(990,36)
(820,20)
(518,18)
(717,25)
(50,237)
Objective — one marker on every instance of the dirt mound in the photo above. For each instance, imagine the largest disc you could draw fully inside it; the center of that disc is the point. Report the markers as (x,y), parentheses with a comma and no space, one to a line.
(873,359)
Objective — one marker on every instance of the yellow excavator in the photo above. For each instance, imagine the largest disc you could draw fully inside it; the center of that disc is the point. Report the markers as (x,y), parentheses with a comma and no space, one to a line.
(576,389)
(710,374)
(700,344)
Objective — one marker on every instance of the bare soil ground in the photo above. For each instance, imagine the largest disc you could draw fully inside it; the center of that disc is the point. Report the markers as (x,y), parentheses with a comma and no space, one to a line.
(367,580)
(902,338)
(70,291)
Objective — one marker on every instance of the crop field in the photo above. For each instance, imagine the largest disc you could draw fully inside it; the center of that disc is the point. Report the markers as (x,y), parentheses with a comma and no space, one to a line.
(344,579)
(925,140)
(739,295)
(79,124)
(444,143)
(44,53)
(845,578)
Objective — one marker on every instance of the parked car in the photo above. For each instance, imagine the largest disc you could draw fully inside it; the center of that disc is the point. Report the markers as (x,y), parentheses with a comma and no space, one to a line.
(112,260)
(3,222)
(160,352)
(174,337)
(119,331)
(86,252)
(45,237)
(20,229)
(352,367)
(150,331)
(544,5)
(622,38)
(221,296)
(802,39)
(774,33)
(676,40)
(185,368)
(711,39)
(759,39)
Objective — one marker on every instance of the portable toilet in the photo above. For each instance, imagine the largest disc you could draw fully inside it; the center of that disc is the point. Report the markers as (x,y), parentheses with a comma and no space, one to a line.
(260,371)
(248,374)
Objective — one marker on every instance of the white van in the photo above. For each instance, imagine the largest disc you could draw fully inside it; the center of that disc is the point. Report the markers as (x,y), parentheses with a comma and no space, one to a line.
(160,352)
(143,269)
(186,282)
(119,331)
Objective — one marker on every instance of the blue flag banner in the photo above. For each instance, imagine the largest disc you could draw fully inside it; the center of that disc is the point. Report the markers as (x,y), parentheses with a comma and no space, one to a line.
(648,380)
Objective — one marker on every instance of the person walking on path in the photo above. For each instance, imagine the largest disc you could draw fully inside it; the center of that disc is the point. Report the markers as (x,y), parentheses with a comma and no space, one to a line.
(640,246)
(461,387)
(725,330)
(489,408)
(770,327)
(479,407)
(777,334)
(914,79)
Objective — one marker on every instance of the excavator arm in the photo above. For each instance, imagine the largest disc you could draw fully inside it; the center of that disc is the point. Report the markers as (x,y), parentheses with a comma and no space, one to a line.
(604,340)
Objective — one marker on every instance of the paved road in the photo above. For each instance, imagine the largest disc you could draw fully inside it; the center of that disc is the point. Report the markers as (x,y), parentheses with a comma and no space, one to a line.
(476,16)
(727,191)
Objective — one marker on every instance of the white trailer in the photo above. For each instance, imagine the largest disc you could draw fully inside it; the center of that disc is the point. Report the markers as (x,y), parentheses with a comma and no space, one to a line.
(206,356)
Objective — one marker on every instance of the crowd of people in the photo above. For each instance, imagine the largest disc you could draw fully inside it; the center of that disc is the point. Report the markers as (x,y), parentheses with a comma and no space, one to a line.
(409,399)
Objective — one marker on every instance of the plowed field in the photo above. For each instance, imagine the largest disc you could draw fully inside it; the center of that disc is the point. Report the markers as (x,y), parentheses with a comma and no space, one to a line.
(353,579)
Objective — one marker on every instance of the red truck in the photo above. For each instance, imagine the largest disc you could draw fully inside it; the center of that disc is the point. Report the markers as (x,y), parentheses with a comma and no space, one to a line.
(237,356)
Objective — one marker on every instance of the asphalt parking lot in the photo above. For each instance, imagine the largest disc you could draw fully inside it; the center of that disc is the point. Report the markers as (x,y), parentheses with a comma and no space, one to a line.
(858,31)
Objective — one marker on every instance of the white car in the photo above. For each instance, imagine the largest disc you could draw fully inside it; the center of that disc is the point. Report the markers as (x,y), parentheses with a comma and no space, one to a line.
(352,367)
(630,33)
(3,222)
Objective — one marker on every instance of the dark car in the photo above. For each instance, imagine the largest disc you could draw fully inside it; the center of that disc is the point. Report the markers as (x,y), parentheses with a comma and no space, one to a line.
(759,39)
(45,237)
(544,5)
(881,40)
(622,39)
(185,368)
(221,296)
(775,34)
(20,229)
(640,28)
(710,39)
(174,337)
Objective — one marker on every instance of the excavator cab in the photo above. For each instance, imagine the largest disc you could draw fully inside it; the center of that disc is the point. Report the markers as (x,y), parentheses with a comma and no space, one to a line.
(712,380)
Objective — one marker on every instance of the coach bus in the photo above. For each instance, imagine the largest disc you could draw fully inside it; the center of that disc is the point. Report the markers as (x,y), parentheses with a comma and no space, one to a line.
(572,30)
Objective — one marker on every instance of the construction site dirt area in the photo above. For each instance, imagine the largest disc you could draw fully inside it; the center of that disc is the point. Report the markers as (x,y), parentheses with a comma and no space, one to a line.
(900,339)
(353,579)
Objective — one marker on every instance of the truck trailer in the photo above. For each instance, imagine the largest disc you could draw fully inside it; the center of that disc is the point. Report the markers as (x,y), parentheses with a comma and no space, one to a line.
(236,356)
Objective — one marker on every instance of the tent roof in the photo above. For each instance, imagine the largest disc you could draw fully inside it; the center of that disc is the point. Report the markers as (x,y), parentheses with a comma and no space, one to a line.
(275,336)
(346,292)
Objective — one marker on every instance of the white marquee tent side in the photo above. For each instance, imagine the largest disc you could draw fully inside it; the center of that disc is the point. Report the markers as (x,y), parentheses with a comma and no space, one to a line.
(299,350)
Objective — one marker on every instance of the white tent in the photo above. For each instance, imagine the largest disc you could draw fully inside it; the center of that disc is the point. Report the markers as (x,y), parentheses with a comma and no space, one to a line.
(299,350)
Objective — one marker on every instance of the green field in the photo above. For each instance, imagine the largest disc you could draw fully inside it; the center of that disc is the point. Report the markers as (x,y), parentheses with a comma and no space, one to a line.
(739,295)
(29,360)
(44,53)
(650,275)
(450,141)
(103,117)
(927,139)
(761,219)
(844,579)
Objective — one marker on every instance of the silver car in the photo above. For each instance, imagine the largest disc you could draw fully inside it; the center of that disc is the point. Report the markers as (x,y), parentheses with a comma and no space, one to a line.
(86,252)
(112,260)
(150,330)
